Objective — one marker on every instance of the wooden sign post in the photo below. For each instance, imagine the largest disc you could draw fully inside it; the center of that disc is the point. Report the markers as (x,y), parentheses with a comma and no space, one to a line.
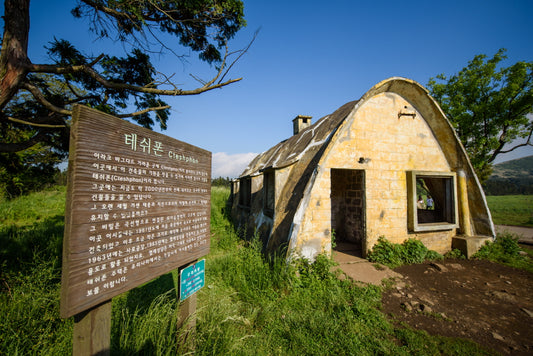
(92,331)
(138,206)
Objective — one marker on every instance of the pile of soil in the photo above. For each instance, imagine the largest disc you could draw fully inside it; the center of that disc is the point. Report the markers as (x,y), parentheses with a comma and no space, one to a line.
(486,302)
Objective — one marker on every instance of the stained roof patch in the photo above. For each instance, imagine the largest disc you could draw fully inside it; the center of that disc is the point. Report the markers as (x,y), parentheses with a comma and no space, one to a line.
(293,149)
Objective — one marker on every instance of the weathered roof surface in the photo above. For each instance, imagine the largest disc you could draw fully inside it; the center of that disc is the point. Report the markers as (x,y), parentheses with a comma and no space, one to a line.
(294,148)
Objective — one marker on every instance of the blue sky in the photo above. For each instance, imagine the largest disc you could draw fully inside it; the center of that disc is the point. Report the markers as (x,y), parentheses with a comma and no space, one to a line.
(311,57)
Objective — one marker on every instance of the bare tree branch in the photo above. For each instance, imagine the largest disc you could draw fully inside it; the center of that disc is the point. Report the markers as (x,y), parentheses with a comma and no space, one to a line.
(81,98)
(40,98)
(20,121)
(527,143)
(87,69)
(242,52)
(137,113)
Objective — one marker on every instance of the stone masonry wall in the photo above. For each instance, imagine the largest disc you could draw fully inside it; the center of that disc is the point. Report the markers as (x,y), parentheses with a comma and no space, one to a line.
(375,139)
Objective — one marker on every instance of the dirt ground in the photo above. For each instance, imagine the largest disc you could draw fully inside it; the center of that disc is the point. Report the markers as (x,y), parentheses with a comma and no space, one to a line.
(486,302)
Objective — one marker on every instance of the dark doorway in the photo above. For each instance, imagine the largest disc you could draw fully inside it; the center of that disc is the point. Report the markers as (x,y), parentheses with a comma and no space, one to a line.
(348,210)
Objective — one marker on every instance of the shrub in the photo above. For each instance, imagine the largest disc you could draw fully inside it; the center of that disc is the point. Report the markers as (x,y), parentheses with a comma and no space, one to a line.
(505,250)
(502,249)
(434,255)
(455,254)
(386,253)
(413,251)
(394,255)
(510,245)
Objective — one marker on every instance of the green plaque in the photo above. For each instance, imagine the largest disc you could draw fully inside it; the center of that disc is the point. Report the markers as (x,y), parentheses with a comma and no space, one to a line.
(192,279)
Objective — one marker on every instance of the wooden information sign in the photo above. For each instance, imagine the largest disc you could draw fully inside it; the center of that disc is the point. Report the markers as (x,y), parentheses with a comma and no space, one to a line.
(138,206)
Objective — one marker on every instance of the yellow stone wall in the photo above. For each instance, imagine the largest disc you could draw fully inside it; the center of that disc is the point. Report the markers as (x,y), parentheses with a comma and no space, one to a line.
(391,146)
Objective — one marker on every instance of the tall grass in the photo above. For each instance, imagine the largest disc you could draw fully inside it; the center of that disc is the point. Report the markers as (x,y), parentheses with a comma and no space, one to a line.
(251,304)
(511,209)
(35,207)
(31,233)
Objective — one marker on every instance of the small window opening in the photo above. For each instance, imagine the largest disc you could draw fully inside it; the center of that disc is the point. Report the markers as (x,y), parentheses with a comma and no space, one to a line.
(269,188)
(245,192)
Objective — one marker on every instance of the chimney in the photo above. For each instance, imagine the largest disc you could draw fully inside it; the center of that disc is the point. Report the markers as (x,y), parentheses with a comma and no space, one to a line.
(300,122)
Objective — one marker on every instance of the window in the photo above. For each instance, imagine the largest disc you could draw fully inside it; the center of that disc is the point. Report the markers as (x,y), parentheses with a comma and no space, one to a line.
(432,201)
(245,192)
(269,191)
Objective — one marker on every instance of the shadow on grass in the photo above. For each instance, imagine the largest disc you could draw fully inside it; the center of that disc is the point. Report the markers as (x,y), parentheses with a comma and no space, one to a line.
(141,298)
(19,245)
(148,311)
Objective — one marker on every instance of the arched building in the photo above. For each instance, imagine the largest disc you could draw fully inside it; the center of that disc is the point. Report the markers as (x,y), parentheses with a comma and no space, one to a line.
(357,174)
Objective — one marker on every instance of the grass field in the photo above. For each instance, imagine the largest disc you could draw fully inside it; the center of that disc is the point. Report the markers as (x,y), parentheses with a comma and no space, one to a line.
(250,305)
(511,209)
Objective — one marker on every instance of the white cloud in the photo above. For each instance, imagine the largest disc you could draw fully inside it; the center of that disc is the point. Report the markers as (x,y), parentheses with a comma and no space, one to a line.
(225,165)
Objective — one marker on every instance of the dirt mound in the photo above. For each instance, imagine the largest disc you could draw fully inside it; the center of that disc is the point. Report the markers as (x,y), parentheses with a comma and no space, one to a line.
(486,302)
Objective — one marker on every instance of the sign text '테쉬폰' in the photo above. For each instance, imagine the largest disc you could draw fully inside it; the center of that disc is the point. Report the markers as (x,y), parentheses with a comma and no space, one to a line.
(138,206)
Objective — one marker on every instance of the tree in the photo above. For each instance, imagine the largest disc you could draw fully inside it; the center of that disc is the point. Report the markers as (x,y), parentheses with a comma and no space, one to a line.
(33,168)
(489,106)
(36,99)
(110,83)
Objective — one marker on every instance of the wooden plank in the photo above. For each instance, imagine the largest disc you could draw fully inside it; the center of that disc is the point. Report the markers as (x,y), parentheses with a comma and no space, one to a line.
(187,318)
(138,206)
(92,331)
(186,313)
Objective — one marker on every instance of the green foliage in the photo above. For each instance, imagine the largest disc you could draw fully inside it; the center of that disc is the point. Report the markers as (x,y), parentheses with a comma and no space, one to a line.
(19,174)
(27,210)
(333,239)
(508,186)
(221,182)
(487,105)
(251,305)
(32,169)
(31,234)
(421,343)
(505,250)
(145,320)
(455,254)
(414,251)
(201,25)
(394,255)
(433,256)
(511,209)
(386,253)
(29,305)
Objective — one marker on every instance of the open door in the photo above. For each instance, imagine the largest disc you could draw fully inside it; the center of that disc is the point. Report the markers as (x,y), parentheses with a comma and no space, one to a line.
(348,210)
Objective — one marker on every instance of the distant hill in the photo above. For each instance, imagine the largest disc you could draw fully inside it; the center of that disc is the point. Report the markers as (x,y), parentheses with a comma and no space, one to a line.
(511,177)
(517,168)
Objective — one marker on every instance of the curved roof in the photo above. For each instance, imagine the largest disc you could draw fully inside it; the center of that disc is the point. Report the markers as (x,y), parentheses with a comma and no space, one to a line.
(306,150)
(308,141)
